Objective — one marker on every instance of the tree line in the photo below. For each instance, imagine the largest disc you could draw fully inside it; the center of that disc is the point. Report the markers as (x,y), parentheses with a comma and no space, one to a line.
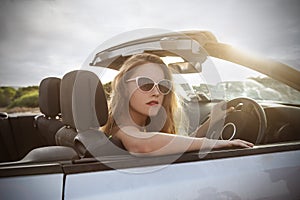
(21,97)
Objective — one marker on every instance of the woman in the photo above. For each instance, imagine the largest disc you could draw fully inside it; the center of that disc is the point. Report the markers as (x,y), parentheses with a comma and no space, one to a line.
(142,111)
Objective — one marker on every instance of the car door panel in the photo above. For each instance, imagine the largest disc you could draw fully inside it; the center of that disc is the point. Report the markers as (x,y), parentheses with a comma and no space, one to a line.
(266,176)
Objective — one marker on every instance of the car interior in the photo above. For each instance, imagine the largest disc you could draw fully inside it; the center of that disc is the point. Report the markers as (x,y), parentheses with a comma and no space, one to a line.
(75,107)
(68,128)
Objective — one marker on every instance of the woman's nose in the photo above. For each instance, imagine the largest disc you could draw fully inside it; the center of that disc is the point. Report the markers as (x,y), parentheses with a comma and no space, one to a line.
(155,91)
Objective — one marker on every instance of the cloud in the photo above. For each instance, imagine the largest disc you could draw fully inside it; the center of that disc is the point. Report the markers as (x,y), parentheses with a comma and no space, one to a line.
(40,38)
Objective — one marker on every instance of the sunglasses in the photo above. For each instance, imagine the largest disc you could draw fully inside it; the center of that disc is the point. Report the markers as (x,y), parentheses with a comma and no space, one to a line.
(146,84)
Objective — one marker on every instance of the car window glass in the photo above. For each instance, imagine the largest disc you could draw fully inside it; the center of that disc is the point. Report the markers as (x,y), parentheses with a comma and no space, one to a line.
(238,81)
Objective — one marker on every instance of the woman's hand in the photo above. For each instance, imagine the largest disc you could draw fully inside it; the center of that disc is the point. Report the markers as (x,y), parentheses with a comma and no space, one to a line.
(219,111)
(238,143)
(219,144)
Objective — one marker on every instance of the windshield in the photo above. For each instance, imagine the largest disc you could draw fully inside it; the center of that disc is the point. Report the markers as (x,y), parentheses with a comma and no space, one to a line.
(221,80)
(238,81)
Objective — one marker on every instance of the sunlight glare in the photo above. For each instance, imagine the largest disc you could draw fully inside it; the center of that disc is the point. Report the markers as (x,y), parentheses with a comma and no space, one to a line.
(172,59)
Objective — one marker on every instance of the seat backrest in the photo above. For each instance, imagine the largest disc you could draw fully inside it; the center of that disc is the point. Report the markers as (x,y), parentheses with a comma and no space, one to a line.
(65,136)
(49,102)
(77,113)
(84,111)
(83,101)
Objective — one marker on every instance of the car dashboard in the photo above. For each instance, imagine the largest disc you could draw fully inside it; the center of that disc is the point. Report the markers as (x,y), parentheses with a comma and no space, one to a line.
(283,123)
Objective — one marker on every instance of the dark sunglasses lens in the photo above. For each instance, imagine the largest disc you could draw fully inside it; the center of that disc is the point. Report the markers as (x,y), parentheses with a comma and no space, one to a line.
(165,86)
(145,84)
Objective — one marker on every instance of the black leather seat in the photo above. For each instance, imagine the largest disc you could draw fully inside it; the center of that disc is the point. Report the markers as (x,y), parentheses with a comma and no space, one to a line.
(84,111)
(49,124)
(8,149)
(65,136)
(49,102)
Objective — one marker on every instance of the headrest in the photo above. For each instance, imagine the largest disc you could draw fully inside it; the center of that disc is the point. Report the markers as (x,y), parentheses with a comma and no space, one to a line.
(83,101)
(49,96)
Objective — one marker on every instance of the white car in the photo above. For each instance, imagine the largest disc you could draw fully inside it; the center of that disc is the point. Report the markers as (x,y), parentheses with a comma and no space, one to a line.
(62,154)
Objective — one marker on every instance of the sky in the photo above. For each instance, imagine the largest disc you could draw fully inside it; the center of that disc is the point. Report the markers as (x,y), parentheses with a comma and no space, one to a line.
(42,38)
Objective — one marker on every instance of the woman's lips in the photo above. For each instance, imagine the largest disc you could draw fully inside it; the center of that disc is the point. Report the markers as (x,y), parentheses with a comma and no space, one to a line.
(152,103)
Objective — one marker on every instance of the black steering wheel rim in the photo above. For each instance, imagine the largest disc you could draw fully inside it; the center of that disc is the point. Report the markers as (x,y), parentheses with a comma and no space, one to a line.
(248,105)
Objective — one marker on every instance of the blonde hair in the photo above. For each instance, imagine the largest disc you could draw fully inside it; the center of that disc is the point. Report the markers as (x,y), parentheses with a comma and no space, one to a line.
(117,100)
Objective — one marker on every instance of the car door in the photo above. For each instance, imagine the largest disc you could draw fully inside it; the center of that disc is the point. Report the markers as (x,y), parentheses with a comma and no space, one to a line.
(31,181)
(262,173)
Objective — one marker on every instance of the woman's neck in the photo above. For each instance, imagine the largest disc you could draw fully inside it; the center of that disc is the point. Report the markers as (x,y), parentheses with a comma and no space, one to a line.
(138,118)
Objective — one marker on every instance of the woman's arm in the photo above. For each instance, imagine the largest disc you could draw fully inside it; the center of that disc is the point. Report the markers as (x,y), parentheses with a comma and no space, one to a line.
(156,143)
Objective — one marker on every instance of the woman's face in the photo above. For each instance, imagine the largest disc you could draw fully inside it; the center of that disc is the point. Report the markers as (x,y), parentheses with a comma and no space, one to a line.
(143,104)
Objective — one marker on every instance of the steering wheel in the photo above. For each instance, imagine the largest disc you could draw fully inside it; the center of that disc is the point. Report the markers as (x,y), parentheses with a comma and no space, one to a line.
(247,122)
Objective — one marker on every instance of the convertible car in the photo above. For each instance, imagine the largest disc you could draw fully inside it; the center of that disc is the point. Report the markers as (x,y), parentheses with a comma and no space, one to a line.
(62,154)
